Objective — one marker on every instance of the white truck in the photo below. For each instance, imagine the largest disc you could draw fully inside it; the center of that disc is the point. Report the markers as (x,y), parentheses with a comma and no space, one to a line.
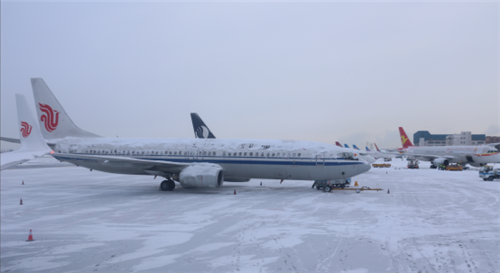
(487,173)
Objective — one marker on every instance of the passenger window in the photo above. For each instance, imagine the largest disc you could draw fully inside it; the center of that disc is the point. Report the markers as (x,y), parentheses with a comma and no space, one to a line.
(267,154)
(240,153)
(244,154)
(294,154)
(251,154)
(299,154)
(262,154)
(223,153)
(273,155)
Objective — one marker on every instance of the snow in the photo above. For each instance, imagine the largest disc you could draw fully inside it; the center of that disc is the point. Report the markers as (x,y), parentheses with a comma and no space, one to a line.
(82,221)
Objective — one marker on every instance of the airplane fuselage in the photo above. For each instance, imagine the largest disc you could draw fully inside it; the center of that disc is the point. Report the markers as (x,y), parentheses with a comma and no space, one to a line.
(460,154)
(267,159)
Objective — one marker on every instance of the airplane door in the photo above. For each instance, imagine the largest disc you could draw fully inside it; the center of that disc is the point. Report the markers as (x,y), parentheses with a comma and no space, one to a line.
(320,160)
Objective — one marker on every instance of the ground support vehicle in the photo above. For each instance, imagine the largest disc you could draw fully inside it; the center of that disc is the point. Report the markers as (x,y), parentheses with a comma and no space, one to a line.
(412,164)
(328,185)
(387,159)
(487,173)
(381,165)
(454,167)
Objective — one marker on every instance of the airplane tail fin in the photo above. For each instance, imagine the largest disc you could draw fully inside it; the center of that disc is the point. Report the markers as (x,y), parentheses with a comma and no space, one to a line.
(405,141)
(338,144)
(200,129)
(355,147)
(367,149)
(345,145)
(53,120)
(31,138)
(376,147)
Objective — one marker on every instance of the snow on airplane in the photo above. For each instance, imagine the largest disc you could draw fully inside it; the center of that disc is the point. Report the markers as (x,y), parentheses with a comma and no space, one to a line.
(200,126)
(192,162)
(474,155)
(32,142)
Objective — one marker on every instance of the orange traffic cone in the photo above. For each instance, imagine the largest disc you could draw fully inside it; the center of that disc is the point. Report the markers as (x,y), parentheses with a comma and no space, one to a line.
(22,183)
(356,184)
(20,203)
(234,192)
(30,237)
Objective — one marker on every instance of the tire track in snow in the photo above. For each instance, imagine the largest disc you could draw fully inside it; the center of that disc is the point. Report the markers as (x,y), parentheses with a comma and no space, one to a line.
(320,265)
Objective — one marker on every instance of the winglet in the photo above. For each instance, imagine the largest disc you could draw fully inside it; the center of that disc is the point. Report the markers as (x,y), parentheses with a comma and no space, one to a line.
(200,129)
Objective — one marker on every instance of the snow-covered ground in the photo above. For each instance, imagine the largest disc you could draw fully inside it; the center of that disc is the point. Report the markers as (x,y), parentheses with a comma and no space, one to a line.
(82,221)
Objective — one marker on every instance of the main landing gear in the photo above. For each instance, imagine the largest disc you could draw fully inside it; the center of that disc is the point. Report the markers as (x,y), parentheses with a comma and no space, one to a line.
(167,185)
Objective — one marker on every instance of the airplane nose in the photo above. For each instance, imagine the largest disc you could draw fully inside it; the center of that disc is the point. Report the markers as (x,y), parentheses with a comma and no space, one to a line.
(363,167)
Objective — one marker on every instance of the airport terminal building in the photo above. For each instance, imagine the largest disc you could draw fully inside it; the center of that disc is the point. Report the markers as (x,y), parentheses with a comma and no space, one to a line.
(424,138)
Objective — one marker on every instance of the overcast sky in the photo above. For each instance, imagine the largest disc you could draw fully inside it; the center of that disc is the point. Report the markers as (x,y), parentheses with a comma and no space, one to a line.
(321,71)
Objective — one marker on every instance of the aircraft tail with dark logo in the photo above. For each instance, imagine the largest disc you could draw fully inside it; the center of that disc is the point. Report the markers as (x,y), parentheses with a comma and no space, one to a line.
(200,129)
(405,141)
(53,120)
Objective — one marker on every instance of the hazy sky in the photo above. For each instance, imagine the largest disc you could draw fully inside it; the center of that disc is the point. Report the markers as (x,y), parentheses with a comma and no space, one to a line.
(321,71)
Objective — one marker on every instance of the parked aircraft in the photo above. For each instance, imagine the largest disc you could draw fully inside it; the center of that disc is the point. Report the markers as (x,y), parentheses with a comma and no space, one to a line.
(192,162)
(474,155)
(32,142)
(355,147)
(378,153)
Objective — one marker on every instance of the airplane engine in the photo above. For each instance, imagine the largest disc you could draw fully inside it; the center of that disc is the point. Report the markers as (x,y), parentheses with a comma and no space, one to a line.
(439,161)
(236,179)
(202,176)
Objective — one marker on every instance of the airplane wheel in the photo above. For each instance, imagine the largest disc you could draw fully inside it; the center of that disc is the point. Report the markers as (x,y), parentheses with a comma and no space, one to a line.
(327,189)
(485,179)
(167,185)
(490,178)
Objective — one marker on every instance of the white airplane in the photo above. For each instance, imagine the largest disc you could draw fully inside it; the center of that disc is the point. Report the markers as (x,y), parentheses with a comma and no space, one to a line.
(192,162)
(474,155)
(32,142)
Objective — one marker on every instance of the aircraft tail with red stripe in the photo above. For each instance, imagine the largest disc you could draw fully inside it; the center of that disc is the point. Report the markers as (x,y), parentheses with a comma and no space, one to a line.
(405,141)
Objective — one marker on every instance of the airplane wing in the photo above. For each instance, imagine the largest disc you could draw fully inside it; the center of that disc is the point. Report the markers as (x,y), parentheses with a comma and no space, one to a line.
(15,158)
(9,139)
(154,167)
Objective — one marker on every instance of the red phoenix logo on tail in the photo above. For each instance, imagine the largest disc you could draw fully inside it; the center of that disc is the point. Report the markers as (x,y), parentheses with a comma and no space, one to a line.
(50,117)
(26,130)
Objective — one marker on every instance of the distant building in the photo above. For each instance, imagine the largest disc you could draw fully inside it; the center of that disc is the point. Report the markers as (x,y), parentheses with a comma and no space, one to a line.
(424,138)
(492,139)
